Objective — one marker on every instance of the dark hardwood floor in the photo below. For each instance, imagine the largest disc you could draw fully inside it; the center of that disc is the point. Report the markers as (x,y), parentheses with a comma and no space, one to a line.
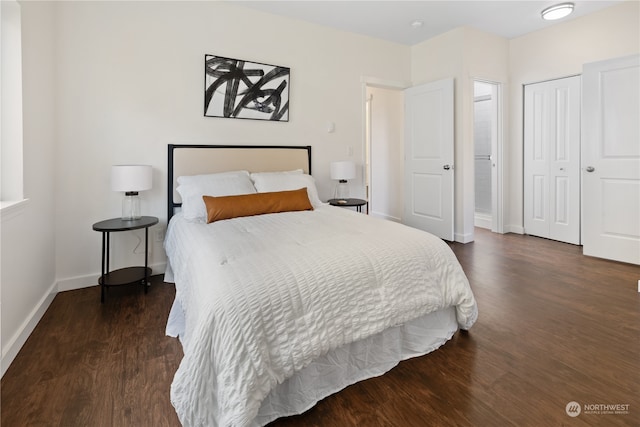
(554,327)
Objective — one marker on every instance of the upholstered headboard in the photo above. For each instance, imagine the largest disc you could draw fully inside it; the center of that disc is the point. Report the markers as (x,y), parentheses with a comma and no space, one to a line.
(205,159)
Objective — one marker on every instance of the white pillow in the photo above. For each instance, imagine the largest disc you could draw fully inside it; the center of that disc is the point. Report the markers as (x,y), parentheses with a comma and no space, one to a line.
(283,181)
(192,188)
(292,172)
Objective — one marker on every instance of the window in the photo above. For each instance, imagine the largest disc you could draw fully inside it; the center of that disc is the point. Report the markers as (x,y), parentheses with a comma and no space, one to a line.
(11,179)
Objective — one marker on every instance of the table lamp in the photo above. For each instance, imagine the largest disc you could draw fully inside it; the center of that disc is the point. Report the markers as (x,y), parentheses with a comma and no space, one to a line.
(342,172)
(131,179)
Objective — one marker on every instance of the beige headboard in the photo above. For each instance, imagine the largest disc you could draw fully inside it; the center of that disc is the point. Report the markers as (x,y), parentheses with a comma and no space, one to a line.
(204,159)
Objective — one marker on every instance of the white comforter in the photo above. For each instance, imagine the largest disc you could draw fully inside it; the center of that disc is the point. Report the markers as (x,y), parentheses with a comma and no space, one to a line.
(263,296)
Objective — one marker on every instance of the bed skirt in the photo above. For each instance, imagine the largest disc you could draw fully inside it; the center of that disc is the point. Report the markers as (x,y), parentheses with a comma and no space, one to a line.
(346,365)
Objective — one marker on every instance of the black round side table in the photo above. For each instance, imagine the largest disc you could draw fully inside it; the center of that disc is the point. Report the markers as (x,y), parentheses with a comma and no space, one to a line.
(129,275)
(358,203)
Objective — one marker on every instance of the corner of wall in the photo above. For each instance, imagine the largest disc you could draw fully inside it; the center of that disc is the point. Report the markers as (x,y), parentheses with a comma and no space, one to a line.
(464,237)
(15,343)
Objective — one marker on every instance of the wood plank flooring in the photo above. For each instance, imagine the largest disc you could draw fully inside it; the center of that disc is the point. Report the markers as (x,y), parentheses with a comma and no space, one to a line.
(554,327)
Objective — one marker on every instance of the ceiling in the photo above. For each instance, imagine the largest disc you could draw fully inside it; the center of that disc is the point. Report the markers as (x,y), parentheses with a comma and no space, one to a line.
(391,20)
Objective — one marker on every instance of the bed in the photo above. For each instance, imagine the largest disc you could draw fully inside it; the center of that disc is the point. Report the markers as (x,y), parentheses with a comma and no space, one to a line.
(279,310)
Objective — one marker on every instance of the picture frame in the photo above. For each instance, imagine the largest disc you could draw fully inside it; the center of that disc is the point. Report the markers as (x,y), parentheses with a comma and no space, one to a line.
(239,89)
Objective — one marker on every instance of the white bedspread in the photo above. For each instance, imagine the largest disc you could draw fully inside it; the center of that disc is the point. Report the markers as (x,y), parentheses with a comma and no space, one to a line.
(263,296)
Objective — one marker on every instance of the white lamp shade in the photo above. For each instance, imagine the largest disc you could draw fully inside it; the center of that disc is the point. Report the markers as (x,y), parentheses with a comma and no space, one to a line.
(131,177)
(343,170)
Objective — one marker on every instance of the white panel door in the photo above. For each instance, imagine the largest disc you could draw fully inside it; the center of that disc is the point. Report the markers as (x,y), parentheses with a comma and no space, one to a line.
(552,159)
(428,201)
(611,159)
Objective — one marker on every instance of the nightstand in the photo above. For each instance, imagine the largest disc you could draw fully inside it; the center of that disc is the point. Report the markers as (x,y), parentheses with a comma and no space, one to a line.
(129,275)
(358,203)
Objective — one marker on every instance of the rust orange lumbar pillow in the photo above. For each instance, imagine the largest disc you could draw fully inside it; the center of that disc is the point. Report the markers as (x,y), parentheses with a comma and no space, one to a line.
(227,207)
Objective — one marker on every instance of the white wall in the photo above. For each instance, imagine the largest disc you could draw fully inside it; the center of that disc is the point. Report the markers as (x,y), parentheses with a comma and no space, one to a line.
(556,52)
(130,79)
(28,230)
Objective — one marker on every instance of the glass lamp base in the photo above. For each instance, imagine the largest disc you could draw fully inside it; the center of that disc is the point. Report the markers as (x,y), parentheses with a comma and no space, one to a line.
(342,190)
(131,206)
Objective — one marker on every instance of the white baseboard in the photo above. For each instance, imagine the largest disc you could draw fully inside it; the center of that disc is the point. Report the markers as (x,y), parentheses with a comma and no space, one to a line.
(482,220)
(463,238)
(385,216)
(13,346)
(518,229)
(89,280)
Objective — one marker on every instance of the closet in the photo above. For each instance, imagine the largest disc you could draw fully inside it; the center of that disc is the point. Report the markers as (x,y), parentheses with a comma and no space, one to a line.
(552,159)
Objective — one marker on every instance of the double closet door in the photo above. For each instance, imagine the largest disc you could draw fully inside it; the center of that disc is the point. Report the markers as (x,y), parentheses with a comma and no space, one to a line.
(552,159)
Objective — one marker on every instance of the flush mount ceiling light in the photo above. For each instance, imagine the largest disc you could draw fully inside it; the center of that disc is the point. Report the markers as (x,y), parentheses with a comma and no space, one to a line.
(558,11)
(417,24)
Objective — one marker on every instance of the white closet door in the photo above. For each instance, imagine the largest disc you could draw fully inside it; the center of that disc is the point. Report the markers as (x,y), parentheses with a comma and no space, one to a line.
(611,159)
(552,159)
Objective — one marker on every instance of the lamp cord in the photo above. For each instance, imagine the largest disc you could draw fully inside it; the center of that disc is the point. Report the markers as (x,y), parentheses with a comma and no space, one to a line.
(138,245)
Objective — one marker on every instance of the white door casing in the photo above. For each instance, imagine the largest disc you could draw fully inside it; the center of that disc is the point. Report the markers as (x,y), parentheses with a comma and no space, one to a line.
(429,174)
(496,214)
(611,159)
(552,159)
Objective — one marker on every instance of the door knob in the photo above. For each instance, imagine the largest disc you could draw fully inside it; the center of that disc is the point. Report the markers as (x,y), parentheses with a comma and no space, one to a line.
(590,169)
(446,167)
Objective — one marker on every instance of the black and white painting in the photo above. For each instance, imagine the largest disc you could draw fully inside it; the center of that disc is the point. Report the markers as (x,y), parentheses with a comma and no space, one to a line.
(245,90)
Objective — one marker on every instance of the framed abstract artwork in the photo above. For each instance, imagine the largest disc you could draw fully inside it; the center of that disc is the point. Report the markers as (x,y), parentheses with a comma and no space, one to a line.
(239,89)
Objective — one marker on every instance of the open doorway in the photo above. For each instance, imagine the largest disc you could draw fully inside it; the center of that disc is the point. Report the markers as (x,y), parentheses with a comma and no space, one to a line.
(384,151)
(384,162)
(486,131)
